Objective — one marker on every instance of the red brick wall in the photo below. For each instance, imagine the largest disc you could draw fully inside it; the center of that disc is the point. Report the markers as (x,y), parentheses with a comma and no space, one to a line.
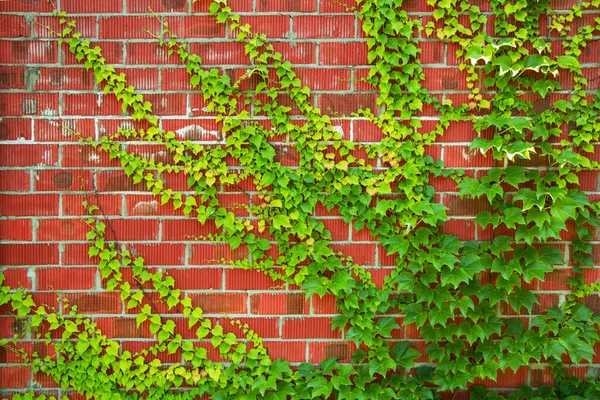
(43,90)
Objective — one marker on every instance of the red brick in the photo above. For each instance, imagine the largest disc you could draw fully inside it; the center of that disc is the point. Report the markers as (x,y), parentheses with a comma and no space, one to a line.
(309,327)
(50,230)
(75,155)
(432,52)
(239,279)
(458,131)
(444,79)
(362,254)
(117,181)
(123,328)
(45,26)
(28,254)
(217,303)
(366,131)
(462,157)
(44,380)
(361,83)
(297,53)
(161,254)
(274,26)
(60,180)
(196,27)
(14,181)
(506,379)
(92,7)
(66,278)
(237,6)
(346,104)
(130,27)
(28,52)
(330,79)
(96,303)
(65,79)
(15,377)
(187,229)
(290,351)
(168,104)
(63,130)
(265,327)
(134,229)
(15,229)
(77,254)
(338,228)
(91,104)
(343,53)
(279,304)
(324,305)
(590,53)
(16,278)
(19,104)
(157,6)
(29,204)
(220,53)
(332,6)
(140,78)
(286,6)
(466,206)
(317,352)
(197,278)
(210,254)
(109,203)
(15,129)
(149,53)
(175,79)
(324,27)
(556,280)
(562,4)
(13,26)
(463,228)
(25,6)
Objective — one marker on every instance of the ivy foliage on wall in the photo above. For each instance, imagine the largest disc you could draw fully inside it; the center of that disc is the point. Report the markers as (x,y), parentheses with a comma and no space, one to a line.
(449,289)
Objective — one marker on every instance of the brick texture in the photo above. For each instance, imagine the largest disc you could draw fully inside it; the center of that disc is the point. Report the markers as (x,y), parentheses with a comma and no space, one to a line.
(45,95)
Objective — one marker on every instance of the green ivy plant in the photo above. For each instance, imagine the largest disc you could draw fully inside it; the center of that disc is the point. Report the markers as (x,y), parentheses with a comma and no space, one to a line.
(469,300)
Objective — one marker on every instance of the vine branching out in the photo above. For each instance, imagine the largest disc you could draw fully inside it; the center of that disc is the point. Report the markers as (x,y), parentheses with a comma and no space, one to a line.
(469,300)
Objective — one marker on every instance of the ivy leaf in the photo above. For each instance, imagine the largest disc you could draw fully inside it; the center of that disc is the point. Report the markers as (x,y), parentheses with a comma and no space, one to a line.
(568,62)
(522,298)
(397,244)
(280,368)
(536,269)
(281,220)
(454,276)
(381,366)
(404,355)
(328,365)
(581,312)
(551,255)
(320,388)
(512,217)
(315,285)
(386,326)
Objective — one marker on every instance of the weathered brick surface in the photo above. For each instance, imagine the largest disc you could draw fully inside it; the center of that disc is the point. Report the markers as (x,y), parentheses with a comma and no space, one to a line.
(45,95)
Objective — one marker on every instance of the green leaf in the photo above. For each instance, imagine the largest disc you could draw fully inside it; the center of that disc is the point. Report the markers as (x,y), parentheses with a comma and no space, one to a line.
(281,220)
(386,325)
(522,298)
(404,355)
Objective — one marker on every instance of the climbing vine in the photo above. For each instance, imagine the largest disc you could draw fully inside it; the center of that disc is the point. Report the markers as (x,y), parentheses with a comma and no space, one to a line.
(462,296)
